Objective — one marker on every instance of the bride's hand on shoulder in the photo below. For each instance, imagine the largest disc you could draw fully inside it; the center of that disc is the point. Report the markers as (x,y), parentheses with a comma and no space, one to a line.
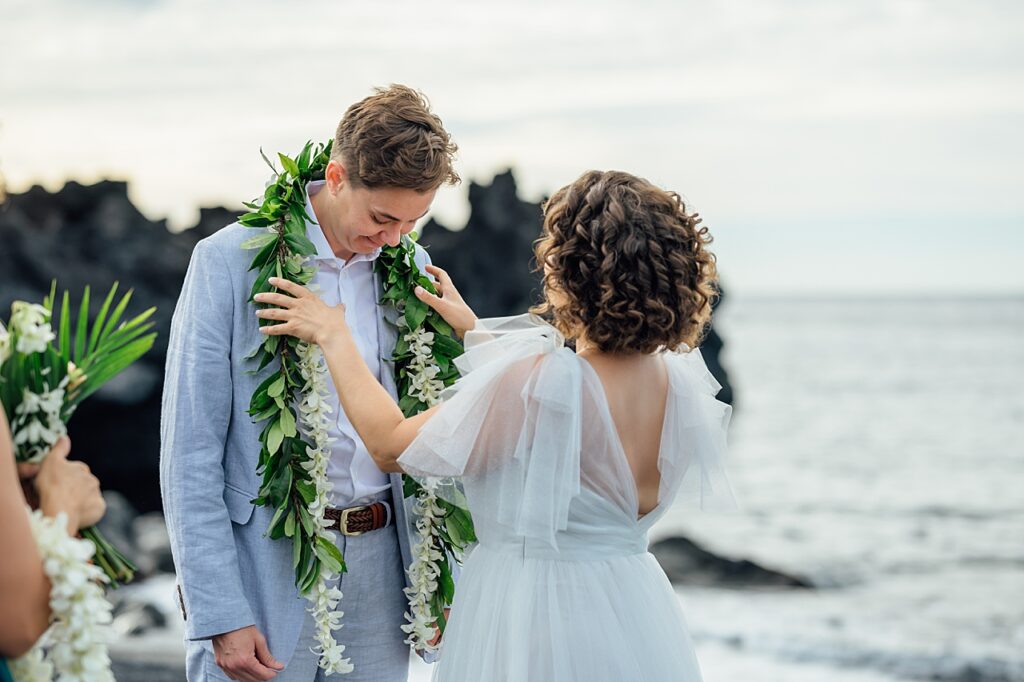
(448,302)
(300,313)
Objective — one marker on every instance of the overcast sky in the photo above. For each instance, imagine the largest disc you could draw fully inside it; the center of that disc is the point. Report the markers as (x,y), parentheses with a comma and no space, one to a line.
(848,147)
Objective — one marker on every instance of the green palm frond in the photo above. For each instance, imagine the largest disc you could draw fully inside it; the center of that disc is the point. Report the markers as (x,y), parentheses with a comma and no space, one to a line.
(106,347)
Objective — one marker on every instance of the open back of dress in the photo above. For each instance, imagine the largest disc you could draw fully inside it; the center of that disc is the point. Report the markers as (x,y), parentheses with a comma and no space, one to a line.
(561,586)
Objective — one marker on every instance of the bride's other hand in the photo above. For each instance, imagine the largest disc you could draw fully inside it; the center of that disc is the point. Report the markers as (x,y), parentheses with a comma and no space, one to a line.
(448,303)
(69,486)
(300,313)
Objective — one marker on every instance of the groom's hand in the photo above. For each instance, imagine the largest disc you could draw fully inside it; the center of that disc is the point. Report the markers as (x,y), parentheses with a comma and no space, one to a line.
(243,655)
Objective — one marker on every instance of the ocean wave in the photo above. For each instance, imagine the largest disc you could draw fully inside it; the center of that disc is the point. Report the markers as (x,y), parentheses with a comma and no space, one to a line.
(937,667)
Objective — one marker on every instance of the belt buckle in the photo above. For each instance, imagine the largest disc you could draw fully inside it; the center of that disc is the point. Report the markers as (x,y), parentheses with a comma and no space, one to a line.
(343,521)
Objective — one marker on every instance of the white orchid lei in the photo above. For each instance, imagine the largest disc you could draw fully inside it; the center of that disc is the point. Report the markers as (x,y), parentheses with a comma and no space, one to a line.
(75,645)
(293,462)
(315,417)
(425,571)
(424,367)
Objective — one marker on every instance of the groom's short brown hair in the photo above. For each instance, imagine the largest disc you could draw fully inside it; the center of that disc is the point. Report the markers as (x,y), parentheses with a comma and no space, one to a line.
(393,139)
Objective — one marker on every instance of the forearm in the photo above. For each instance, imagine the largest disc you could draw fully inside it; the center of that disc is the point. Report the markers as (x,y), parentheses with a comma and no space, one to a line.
(24,588)
(26,594)
(377,418)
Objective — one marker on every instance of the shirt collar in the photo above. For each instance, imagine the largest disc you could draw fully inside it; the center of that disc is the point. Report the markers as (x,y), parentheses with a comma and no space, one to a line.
(316,235)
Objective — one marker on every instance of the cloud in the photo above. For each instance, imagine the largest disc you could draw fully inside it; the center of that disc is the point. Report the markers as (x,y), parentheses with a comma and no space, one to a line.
(763,113)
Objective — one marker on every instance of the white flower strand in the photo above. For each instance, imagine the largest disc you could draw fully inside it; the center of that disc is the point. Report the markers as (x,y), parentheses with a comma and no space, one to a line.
(75,645)
(32,667)
(315,420)
(423,383)
(5,344)
(30,322)
(424,569)
(37,423)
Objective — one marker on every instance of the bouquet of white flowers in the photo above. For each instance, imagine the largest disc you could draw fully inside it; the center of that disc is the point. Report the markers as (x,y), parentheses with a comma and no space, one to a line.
(45,376)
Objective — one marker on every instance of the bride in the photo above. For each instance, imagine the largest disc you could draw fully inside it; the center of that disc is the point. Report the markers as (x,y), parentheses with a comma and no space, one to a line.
(567,458)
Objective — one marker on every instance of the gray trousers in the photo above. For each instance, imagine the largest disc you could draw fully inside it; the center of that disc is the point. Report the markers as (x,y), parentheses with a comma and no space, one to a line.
(374,606)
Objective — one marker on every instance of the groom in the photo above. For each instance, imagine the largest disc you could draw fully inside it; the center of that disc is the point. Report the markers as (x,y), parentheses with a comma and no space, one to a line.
(244,617)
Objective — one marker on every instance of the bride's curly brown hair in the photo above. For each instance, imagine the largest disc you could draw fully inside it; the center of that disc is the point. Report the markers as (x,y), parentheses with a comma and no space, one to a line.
(626,264)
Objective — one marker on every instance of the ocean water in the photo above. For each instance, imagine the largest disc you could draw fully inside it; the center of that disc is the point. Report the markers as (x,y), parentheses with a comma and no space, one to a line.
(878,449)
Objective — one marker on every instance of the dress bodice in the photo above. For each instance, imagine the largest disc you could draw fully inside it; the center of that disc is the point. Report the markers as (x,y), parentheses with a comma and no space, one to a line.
(528,433)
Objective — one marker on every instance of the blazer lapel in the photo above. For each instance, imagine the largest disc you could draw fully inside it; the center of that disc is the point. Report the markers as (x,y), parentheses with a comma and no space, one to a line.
(387,336)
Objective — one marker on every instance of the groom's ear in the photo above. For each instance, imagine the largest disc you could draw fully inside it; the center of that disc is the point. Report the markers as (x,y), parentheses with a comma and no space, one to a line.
(336,175)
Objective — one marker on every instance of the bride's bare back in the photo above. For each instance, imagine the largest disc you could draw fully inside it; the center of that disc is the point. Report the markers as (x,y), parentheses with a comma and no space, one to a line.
(636,391)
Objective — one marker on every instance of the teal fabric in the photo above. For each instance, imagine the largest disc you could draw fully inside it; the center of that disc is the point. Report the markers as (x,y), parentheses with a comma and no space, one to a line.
(5,673)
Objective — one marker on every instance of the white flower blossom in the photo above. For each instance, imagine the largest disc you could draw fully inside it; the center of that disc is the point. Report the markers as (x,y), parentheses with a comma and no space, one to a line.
(32,667)
(37,424)
(75,646)
(424,570)
(30,323)
(422,370)
(5,344)
(425,386)
(315,420)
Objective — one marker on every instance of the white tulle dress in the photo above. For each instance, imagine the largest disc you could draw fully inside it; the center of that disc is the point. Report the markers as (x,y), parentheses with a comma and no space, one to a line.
(561,586)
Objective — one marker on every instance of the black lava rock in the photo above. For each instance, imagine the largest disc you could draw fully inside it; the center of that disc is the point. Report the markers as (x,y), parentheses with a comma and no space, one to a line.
(687,563)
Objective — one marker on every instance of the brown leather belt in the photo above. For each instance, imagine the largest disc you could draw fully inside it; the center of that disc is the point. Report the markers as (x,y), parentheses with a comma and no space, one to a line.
(359,520)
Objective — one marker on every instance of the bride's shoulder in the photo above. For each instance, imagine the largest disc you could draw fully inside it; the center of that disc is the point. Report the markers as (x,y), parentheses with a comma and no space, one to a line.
(689,372)
(522,355)
(506,340)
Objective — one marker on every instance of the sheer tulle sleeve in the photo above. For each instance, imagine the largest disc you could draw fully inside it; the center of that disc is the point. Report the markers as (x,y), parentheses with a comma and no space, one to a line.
(693,469)
(512,424)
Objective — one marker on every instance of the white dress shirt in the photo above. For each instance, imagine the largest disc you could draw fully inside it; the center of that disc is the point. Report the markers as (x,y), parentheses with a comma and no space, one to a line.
(351,469)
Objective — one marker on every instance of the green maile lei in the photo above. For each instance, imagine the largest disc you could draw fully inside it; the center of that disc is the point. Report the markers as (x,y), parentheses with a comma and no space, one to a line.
(291,483)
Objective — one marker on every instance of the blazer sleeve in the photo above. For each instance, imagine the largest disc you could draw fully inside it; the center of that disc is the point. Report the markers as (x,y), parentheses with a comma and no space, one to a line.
(193,431)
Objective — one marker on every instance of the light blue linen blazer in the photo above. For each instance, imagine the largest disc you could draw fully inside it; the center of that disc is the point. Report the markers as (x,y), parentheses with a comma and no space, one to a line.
(230,575)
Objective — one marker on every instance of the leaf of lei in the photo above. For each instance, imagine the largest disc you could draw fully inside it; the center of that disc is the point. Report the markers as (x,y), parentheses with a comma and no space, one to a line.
(281,246)
(452,531)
